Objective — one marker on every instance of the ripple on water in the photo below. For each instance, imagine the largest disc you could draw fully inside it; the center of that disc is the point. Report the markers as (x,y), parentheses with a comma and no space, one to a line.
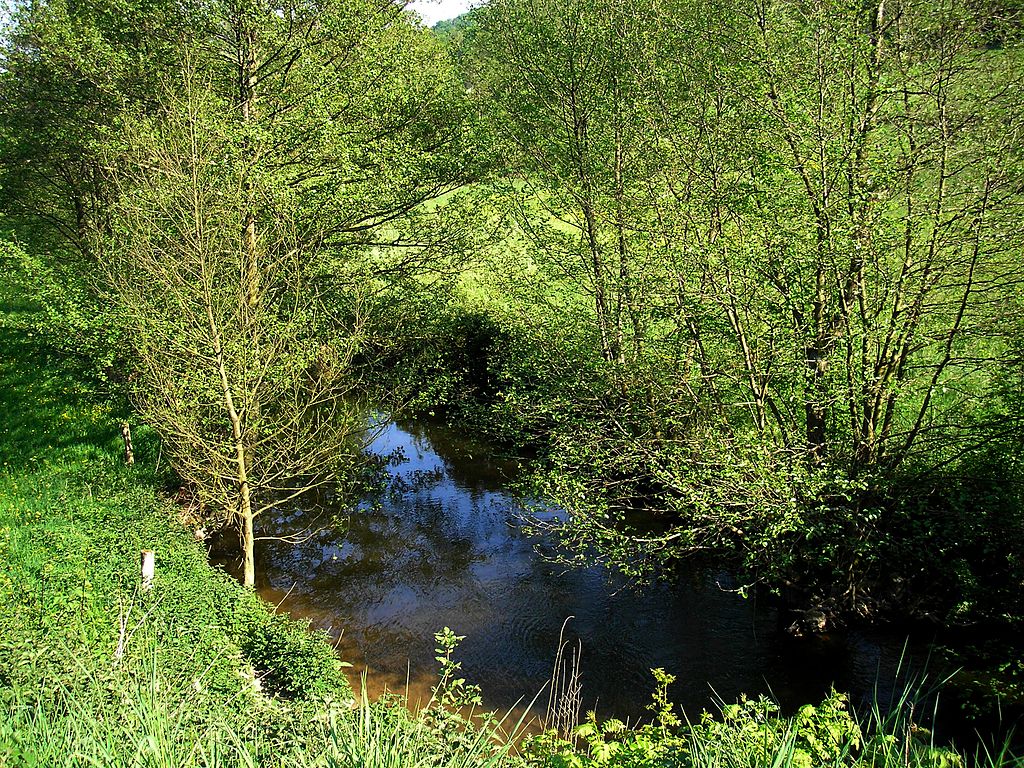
(444,548)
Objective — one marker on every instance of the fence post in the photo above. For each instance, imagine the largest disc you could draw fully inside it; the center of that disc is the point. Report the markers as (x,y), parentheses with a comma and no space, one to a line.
(126,435)
(148,562)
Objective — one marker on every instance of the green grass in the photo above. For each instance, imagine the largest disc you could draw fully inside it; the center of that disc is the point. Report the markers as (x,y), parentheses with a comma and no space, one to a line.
(152,722)
(75,625)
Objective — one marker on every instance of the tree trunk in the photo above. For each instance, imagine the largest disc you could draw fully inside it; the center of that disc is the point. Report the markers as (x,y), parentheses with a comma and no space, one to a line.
(244,511)
(248,537)
(251,287)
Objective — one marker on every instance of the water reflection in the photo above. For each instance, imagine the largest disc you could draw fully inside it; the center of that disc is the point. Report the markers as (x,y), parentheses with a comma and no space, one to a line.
(443,546)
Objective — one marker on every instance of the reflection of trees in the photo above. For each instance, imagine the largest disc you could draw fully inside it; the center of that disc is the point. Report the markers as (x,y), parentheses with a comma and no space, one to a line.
(469,462)
(411,542)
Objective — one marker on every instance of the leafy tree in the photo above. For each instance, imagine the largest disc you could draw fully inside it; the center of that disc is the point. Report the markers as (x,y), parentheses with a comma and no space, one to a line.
(68,71)
(569,105)
(246,401)
(791,223)
(292,141)
(889,141)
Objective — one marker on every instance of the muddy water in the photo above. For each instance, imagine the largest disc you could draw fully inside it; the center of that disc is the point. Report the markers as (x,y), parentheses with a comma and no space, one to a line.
(442,545)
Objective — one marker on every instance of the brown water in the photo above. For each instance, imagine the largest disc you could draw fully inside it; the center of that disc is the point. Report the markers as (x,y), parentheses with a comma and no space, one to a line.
(443,545)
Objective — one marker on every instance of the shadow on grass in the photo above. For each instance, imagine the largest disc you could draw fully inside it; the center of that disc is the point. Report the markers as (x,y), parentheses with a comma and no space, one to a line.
(48,414)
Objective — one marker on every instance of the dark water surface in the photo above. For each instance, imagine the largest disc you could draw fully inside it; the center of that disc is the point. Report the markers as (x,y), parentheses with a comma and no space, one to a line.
(444,546)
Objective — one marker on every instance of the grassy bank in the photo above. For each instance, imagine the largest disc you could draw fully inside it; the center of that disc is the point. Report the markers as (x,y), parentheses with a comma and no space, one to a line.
(195,655)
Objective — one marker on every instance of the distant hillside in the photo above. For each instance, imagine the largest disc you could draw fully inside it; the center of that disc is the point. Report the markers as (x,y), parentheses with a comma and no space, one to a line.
(462,23)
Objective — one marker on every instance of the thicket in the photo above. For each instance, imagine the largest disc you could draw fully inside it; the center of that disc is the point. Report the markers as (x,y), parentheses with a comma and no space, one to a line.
(751,288)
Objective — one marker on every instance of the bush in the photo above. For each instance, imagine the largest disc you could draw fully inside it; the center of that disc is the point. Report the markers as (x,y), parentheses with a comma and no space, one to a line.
(293,662)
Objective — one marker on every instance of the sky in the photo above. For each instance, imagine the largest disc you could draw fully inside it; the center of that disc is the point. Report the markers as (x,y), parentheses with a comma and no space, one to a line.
(434,11)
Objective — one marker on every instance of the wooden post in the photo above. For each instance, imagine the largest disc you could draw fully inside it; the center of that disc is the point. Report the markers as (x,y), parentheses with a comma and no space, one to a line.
(148,561)
(126,434)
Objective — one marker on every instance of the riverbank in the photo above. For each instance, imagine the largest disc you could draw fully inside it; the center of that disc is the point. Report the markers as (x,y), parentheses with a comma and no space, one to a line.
(163,672)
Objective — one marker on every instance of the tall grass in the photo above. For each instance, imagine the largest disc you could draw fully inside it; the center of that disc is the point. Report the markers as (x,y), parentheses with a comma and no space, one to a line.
(143,720)
(752,733)
(125,716)
(385,735)
(137,716)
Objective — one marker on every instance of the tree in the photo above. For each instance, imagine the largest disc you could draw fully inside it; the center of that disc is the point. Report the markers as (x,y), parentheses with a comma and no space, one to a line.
(247,403)
(568,103)
(68,71)
(812,226)
(887,137)
(294,139)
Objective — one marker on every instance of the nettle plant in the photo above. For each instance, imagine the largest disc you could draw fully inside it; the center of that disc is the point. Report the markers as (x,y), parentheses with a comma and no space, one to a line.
(451,695)
(594,744)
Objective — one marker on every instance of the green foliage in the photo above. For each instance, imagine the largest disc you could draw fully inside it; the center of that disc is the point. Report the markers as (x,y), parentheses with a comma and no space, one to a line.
(451,692)
(191,269)
(431,353)
(754,293)
(753,733)
(66,319)
(826,734)
(661,706)
(73,520)
(183,689)
(612,743)
(69,70)
(195,672)
(291,661)
(727,315)
(447,28)
(64,307)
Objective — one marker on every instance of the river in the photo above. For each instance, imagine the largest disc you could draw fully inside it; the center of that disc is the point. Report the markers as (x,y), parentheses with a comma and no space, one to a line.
(443,544)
